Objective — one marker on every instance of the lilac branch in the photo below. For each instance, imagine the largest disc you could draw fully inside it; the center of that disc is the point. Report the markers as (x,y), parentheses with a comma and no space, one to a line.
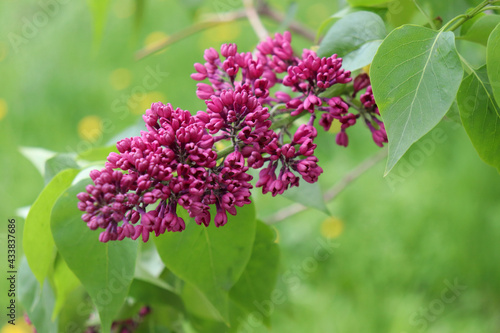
(333,192)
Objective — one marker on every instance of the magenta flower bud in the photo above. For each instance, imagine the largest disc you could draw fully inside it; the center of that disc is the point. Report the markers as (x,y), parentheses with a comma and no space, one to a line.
(228,50)
(215,105)
(303,133)
(311,101)
(123,145)
(145,235)
(104,237)
(283,97)
(113,158)
(211,55)
(200,68)
(379,137)
(83,196)
(326,121)
(288,151)
(361,82)
(177,224)
(307,148)
(220,218)
(277,187)
(203,117)
(367,98)
(149,198)
(341,139)
(82,206)
(145,310)
(227,97)
(294,103)
(138,232)
(266,47)
(198,76)
(94,174)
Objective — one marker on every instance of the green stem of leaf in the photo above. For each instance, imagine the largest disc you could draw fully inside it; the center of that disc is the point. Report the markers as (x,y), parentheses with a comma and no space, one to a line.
(470,14)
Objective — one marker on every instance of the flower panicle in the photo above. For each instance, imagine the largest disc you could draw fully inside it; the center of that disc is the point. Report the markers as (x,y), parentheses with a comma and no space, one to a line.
(173,165)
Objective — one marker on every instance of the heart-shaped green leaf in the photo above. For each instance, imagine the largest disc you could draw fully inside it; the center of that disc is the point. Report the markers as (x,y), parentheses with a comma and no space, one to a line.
(479,114)
(211,258)
(105,269)
(415,77)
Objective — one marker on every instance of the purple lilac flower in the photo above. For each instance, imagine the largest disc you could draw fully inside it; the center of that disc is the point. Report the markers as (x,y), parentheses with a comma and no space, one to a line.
(174,164)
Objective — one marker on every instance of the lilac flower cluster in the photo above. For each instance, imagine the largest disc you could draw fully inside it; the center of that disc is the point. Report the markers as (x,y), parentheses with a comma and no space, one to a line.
(129,325)
(174,162)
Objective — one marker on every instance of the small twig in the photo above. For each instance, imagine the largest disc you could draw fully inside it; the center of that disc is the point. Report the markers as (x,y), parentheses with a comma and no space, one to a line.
(334,191)
(294,26)
(209,22)
(254,19)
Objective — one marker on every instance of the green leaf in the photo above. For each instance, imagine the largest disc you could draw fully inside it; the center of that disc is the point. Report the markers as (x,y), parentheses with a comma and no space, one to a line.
(415,77)
(361,57)
(448,9)
(401,12)
(309,195)
(105,269)
(340,14)
(454,113)
(98,154)
(480,29)
(76,311)
(65,282)
(58,163)
(38,243)
(479,114)
(211,258)
(37,156)
(150,294)
(493,65)
(259,277)
(355,38)
(198,304)
(37,301)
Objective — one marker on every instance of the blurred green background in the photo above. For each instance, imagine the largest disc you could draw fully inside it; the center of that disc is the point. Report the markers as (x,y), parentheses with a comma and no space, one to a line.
(400,241)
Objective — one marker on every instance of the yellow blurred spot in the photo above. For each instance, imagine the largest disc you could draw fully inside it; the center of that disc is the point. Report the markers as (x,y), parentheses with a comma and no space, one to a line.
(220,146)
(366,69)
(90,128)
(155,39)
(335,128)
(3,108)
(120,78)
(139,103)
(19,327)
(317,13)
(223,33)
(124,9)
(332,227)
(314,48)
(3,51)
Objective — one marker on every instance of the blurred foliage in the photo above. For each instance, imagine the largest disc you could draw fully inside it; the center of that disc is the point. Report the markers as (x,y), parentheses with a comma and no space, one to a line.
(436,219)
